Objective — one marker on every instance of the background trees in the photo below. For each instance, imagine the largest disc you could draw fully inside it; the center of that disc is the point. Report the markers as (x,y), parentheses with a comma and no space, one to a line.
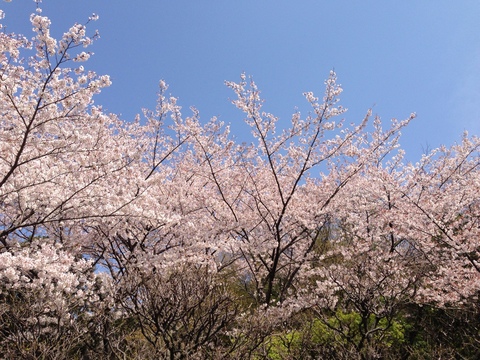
(165,238)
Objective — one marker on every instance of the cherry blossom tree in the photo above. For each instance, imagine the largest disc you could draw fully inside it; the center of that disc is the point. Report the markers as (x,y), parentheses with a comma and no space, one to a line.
(441,197)
(396,245)
(57,150)
(270,195)
(165,237)
(59,157)
(48,299)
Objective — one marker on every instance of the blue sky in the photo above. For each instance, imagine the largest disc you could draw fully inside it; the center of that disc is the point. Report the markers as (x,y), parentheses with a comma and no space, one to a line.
(396,57)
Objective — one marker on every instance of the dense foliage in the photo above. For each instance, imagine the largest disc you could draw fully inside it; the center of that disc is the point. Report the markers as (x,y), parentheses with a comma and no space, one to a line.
(165,238)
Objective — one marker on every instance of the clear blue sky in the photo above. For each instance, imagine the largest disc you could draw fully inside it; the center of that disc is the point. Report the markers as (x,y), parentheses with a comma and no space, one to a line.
(395,56)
